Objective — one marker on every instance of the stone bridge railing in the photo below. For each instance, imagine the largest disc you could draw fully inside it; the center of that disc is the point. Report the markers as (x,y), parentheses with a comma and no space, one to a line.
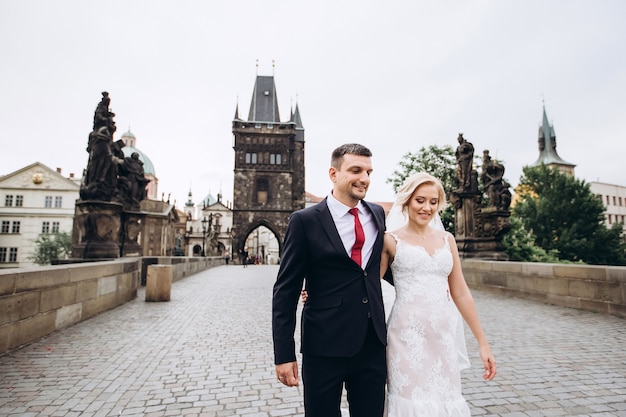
(601,289)
(35,302)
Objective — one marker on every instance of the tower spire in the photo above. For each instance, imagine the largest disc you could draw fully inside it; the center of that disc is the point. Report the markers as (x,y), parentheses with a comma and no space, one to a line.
(547,146)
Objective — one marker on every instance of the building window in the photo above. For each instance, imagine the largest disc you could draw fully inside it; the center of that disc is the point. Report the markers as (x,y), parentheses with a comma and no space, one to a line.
(251,158)
(262,190)
(16,227)
(45,227)
(48,202)
(12,252)
(276,159)
(8,200)
(620,201)
(19,200)
(55,227)
(5,226)
(58,201)
(614,201)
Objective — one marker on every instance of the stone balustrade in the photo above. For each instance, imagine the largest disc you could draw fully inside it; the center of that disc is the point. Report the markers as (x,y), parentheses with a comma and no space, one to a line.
(601,289)
(35,302)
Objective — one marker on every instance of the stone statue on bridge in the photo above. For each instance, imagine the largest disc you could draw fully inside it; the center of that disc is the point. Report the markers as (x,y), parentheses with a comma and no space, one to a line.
(480,227)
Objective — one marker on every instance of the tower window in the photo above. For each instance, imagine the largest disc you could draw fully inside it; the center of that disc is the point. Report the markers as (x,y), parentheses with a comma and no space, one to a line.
(251,158)
(262,190)
(276,159)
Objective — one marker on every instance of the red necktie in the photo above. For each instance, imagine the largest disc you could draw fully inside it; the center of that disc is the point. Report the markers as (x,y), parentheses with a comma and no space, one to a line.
(360,237)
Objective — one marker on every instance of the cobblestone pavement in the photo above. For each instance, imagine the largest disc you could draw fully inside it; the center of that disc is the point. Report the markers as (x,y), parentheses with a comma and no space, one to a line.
(208,352)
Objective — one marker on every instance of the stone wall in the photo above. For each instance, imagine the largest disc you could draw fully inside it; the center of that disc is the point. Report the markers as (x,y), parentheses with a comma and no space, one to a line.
(35,302)
(601,289)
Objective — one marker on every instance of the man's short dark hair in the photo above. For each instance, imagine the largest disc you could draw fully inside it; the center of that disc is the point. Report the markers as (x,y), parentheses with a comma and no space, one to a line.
(348,148)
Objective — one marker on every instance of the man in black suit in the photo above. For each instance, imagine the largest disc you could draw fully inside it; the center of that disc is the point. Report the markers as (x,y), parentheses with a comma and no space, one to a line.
(343,332)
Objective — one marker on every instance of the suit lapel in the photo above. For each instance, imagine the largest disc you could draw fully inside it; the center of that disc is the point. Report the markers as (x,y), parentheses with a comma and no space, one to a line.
(328,226)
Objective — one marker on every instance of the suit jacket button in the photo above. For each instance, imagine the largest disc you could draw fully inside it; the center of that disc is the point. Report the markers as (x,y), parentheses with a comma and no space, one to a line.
(365,300)
(365,273)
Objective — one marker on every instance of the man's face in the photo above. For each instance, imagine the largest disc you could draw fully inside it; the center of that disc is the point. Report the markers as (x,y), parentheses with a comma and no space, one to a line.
(352,179)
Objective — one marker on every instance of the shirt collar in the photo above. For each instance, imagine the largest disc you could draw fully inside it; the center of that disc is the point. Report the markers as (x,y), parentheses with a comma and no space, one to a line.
(338,209)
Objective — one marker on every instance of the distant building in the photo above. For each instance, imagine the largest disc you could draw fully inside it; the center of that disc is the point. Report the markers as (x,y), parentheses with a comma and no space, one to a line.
(547,148)
(152,189)
(208,227)
(34,200)
(614,200)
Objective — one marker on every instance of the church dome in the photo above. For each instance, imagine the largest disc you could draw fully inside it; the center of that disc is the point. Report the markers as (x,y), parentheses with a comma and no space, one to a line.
(148,167)
(128,134)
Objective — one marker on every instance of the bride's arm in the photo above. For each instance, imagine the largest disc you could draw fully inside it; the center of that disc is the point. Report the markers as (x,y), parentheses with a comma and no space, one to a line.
(464,301)
(386,258)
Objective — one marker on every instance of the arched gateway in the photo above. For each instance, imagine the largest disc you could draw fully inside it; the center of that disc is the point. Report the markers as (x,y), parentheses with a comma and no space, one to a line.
(269,167)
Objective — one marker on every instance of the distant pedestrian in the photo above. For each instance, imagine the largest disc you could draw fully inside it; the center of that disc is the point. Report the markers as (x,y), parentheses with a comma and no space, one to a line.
(244,257)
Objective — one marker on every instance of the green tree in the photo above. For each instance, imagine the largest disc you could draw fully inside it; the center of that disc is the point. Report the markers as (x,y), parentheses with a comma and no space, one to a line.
(520,245)
(566,217)
(51,247)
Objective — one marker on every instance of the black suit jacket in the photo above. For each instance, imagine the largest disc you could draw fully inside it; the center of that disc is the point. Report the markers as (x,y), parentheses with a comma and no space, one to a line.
(342,295)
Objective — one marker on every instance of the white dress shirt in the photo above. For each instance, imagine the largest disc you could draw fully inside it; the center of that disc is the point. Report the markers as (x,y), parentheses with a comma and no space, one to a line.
(344,222)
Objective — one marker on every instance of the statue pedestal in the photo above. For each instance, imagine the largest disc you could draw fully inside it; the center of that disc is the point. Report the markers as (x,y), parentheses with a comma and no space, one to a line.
(479,231)
(132,225)
(96,230)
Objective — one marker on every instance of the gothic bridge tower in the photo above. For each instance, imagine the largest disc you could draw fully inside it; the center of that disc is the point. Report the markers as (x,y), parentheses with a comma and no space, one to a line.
(269,170)
(547,148)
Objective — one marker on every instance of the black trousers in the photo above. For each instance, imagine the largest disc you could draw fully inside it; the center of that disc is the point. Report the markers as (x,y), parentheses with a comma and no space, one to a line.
(364,376)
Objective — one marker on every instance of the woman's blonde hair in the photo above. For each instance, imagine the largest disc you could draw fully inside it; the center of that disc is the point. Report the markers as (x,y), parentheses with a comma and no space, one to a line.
(412,183)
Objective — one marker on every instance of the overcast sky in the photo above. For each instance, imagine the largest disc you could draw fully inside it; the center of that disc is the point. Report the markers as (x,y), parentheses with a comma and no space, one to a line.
(394,76)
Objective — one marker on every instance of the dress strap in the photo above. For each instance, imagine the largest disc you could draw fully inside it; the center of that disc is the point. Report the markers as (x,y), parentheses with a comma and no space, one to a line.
(392,234)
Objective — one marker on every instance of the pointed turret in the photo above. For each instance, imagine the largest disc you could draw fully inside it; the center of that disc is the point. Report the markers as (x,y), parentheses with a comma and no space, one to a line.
(295,118)
(189,202)
(547,148)
(264,105)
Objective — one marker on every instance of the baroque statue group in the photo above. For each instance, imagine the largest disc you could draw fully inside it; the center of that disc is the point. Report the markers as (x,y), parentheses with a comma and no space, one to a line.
(481,213)
(108,221)
(110,176)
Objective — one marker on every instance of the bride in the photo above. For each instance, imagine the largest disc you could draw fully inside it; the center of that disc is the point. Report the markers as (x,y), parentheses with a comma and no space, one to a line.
(425,342)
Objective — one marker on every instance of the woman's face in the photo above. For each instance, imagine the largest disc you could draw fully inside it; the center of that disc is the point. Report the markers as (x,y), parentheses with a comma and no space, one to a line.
(423,204)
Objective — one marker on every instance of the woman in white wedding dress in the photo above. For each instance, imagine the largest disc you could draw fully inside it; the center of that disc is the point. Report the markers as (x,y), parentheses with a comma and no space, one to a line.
(424,330)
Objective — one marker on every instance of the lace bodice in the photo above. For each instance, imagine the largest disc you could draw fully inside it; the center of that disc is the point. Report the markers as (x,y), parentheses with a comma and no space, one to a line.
(416,272)
(422,357)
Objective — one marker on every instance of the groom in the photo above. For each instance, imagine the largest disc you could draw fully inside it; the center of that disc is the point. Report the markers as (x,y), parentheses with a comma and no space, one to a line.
(343,335)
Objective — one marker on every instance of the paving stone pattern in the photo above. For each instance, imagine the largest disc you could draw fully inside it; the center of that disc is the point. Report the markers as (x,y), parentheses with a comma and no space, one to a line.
(208,352)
